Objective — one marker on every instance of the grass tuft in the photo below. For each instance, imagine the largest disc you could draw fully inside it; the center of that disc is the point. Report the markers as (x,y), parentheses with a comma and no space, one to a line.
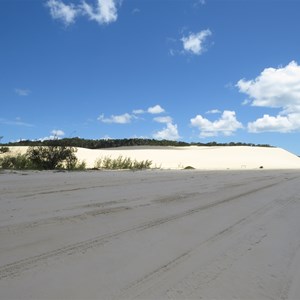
(121,163)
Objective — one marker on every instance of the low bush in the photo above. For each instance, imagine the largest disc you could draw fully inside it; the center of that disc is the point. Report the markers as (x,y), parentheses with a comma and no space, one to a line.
(121,163)
(16,162)
(4,149)
(43,158)
(189,168)
(80,166)
(52,157)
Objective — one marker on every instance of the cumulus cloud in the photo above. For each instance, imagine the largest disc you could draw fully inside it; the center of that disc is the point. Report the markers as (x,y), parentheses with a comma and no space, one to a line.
(22,92)
(54,135)
(276,124)
(63,12)
(117,119)
(170,132)
(194,43)
(157,109)
(57,132)
(127,118)
(226,125)
(165,119)
(105,11)
(275,88)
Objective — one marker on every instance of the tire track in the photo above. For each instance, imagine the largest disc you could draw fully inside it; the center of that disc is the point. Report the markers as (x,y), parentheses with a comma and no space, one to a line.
(63,219)
(135,290)
(13,269)
(177,197)
(108,185)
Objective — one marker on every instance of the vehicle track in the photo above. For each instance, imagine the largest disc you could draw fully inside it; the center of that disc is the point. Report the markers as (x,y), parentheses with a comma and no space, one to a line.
(210,272)
(15,268)
(177,197)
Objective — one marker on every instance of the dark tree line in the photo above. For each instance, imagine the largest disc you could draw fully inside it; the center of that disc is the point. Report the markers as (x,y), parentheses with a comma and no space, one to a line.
(114,143)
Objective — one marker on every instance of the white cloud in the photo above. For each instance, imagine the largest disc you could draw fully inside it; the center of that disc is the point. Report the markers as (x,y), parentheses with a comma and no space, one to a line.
(22,92)
(127,118)
(118,119)
(246,102)
(270,123)
(172,52)
(275,88)
(57,132)
(213,111)
(170,132)
(136,11)
(226,125)
(106,138)
(198,3)
(138,111)
(105,11)
(55,135)
(165,119)
(63,12)
(16,122)
(194,43)
(157,109)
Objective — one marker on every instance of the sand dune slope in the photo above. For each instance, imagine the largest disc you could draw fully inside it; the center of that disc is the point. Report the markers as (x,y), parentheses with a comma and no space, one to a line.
(216,158)
(203,158)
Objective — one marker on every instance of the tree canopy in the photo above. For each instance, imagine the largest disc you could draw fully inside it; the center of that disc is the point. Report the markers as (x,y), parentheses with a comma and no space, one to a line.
(113,143)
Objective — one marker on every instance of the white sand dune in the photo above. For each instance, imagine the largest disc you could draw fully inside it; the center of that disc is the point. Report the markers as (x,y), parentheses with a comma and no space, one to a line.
(202,158)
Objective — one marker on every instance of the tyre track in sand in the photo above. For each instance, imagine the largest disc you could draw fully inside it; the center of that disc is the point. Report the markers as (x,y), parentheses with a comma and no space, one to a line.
(15,268)
(109,206)
(153,280)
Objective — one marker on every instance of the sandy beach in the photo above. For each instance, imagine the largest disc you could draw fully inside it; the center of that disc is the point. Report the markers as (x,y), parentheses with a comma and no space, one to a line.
(150,235)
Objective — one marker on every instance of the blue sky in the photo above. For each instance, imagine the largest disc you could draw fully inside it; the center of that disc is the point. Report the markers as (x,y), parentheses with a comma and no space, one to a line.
(191,70)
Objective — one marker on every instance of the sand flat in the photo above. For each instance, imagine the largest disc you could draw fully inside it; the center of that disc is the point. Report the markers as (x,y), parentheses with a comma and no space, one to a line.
(150,235)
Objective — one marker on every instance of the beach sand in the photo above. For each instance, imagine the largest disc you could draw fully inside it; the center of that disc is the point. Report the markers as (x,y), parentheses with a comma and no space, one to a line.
(152,234)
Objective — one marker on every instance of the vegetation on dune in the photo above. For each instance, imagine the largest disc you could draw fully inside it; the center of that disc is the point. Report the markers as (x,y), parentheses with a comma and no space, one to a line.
(4,149)
(112,143)
(60,153)
(16,162)
(63,157)
(121,163)
(189,168)
(43,158)
(52,157)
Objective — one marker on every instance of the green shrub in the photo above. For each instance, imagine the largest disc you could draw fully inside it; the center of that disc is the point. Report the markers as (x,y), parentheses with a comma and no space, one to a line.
(80,166)
(4,149)
(52,157)
(44,158)
(189,168)
(121,163)
(16,162)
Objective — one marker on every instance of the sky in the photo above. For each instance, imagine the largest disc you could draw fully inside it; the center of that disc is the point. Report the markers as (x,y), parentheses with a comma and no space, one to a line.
(187,70)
